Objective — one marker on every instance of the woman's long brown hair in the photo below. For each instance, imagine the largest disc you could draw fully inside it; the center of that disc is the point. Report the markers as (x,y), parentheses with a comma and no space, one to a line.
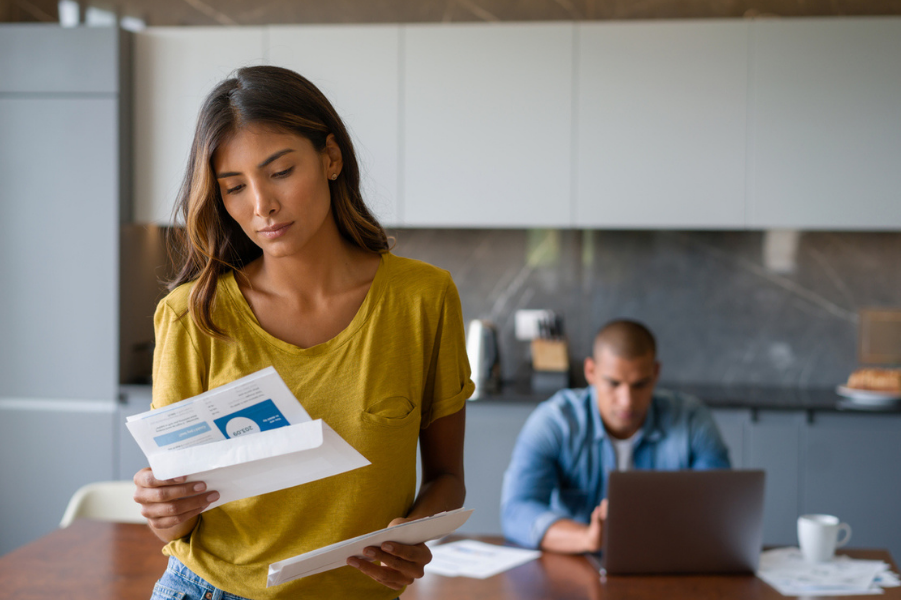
(211,242)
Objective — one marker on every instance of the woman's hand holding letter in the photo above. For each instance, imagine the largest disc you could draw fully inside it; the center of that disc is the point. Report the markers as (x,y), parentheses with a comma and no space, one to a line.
(171,506)
(400,563)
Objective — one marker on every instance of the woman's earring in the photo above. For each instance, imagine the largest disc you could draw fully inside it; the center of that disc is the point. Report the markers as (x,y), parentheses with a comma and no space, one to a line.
(334,176)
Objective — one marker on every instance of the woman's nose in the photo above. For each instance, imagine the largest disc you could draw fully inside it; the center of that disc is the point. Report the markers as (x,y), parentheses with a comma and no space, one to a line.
(264,201)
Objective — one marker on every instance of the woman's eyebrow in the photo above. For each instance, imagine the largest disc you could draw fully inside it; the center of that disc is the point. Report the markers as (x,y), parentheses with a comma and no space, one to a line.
(259,166)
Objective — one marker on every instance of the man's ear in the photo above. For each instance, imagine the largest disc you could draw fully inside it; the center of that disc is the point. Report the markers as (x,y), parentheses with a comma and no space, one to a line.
(590,370)
(656,371)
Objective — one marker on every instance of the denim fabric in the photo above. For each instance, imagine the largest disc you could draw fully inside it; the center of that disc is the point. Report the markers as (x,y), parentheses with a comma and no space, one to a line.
(180,583)
(563,456)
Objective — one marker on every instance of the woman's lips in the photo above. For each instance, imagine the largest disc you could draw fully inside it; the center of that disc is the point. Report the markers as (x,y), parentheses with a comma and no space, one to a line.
(275,231)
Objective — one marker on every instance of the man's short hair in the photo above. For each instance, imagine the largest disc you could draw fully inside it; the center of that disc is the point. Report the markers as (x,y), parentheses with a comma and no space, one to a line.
(626,339)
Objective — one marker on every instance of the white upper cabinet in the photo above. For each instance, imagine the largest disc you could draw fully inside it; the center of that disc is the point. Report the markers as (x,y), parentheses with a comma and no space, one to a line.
(717,124)
(661,124)
(826,141)
(487,131)
(358,70)
(174,70)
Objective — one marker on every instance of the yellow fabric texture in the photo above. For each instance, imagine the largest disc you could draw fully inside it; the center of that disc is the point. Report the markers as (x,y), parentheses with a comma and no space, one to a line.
(398,366)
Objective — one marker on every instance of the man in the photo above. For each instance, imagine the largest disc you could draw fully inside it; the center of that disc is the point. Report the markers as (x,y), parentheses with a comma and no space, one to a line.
(555,487)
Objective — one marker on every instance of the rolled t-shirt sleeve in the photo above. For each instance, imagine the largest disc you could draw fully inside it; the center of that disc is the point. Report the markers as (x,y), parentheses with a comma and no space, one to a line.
(531,478)
(448,383)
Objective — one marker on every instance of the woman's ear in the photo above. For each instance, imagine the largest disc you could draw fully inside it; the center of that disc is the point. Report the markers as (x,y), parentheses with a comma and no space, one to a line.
(334,161)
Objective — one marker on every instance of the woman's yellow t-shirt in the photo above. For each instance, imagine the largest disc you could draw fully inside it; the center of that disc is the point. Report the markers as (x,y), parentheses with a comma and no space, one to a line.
(398,366)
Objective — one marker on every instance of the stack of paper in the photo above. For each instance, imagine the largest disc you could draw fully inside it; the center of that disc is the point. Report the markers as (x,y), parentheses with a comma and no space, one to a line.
(245,438)
(469,558)
(787,571)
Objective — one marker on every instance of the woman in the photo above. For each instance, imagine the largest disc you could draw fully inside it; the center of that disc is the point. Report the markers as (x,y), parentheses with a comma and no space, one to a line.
(283,265)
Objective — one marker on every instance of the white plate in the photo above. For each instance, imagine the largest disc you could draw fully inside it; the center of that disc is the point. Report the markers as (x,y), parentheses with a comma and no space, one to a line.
(872,397)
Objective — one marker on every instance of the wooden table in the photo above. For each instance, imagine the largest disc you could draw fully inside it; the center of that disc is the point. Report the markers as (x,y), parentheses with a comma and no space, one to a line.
(562,577)
(118,561)
(87,560)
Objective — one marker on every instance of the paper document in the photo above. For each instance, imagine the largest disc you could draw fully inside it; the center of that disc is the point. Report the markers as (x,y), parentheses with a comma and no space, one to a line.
(336,555)
(470,558)
(245,438)
(787,571)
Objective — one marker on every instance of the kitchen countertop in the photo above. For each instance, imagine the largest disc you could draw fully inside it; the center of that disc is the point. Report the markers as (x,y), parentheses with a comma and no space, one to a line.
(715,396)
(722,396)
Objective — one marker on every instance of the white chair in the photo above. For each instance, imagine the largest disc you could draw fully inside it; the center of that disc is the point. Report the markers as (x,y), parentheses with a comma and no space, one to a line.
(104,501)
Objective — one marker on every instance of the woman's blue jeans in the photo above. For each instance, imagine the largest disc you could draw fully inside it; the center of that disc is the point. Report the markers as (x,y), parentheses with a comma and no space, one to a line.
(181,583)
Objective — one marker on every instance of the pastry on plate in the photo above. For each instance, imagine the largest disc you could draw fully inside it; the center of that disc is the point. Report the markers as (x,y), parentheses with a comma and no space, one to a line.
(883,380)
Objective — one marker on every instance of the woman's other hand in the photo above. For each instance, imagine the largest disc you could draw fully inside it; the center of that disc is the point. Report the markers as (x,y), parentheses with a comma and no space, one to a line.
(171,506)
(442,489)
(400,563)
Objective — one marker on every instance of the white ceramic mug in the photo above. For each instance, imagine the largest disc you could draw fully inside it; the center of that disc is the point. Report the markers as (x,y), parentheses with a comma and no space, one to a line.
(818,536)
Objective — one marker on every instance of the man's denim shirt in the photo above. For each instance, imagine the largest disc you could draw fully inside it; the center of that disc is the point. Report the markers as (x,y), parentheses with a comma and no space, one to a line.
(562,457)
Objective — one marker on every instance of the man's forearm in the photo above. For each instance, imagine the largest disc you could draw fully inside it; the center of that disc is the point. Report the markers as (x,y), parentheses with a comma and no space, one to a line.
(570,537)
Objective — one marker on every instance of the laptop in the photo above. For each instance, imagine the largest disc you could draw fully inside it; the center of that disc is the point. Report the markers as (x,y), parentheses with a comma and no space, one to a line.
(683,522)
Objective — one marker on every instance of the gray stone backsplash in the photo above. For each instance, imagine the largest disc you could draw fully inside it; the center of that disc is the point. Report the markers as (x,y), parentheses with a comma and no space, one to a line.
(728,308)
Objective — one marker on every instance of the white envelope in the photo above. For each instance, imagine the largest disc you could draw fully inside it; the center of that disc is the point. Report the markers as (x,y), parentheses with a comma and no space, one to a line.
(245,438)
(264,462)
(336,555)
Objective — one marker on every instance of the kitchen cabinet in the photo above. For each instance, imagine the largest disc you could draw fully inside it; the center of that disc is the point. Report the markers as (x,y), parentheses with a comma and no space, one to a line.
(768,440)
(720,124)
(773,444)
(661,124)
(175,68)
(852,471)
(63,163)
(59,218)
(59,214)
(358,70)
(825,123)
(732,424)
(62,55)
(487,125)
(491,432)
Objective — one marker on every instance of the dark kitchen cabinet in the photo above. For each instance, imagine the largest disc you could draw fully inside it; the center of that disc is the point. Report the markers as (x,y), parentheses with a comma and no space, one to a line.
(852,469)
(491,432)
(774,440)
